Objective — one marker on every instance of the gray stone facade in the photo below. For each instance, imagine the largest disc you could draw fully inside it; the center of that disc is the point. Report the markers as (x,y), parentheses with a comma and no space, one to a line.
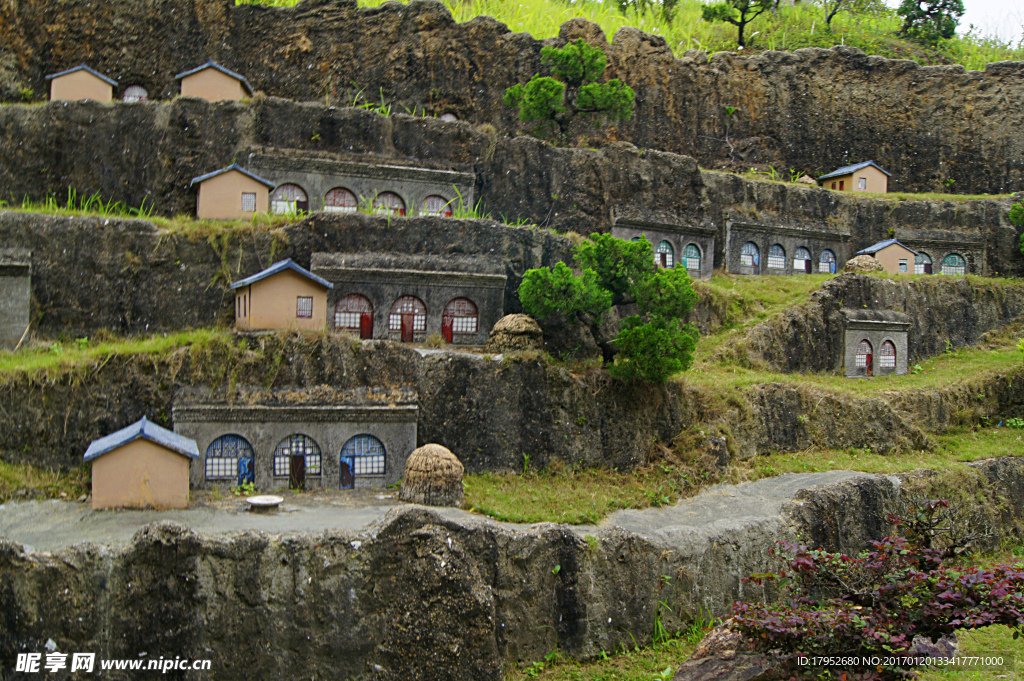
(436,281)
(330,426)
(937,244)
(737,234)
(678,236)
(877,327)
(15,295)
(319,175)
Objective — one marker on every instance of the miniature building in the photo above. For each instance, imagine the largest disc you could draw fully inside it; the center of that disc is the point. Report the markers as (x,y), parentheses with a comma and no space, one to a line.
(330,184)
(943,252)
(231,193)
(283,296)
(875,342)
(893,256)
(141,466)
(15,295)
(134,94)
(859,177)
(348,440)
(674,245)
(764,249)
(81,82)
(409,298)
(214,83)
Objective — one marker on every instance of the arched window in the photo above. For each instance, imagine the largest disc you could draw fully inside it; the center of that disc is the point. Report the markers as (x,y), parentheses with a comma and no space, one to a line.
(691,255)
(827,262)
(289,198)
(776,257)
(296,450)
(340,200)
(228,457)
(922,263)
(135,93)
(863,358)
(887,356)
(954,264)
(460,317)
(802,261)
(750,255)
(354,313)
(408,317)
(362,455)
(664,254)
(389,203)
(437,205)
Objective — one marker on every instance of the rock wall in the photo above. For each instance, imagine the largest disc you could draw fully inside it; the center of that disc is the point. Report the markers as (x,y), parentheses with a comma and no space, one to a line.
(813,109)
(148,153)
(942,310)
(129,277)
(433,595)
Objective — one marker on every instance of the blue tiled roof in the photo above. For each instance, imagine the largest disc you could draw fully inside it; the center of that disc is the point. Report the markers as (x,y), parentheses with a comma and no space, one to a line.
(214,65)
(83,67)
(233,166)
(147,430)
(871,250)
(281,266)
(846,170)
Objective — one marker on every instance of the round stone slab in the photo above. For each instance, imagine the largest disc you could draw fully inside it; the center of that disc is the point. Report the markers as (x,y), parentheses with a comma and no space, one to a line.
(264,503)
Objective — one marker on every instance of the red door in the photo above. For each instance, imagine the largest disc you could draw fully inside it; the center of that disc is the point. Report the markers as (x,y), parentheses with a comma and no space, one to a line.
(366,325)
(868,365)
(408,327)
(446,328)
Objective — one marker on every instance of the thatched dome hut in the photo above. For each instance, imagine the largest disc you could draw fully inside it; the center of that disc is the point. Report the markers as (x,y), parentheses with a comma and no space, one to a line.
(433,476)
(515,332)
(862,264)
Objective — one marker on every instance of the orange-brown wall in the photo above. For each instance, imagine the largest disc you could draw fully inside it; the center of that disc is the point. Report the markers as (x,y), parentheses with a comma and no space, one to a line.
(889,258)
(878,182)
(80,85)
(273,302)
(140,474)
(212,85)
(220,197)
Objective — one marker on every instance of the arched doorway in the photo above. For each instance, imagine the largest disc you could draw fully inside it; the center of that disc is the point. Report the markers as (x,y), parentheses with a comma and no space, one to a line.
(665,255)
(691,256)
(363,455)
(460,317)
(802,261)
(827,262)
(289,198)
(340,200)
(864,357)
(438,206)
(887,357)
(231,457)
(750,258)
(297,457)
(922,263)
(408,319)
(954,264)
(776,257)
(389,203)
(354,313)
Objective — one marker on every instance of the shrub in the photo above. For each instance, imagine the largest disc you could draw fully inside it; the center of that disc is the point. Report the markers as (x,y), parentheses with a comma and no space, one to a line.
(878,602)
(572,91)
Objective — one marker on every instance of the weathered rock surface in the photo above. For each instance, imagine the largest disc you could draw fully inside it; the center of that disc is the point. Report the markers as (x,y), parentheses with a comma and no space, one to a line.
(423,594)
(862,264)
(516,332)
(940,123)
(945,313)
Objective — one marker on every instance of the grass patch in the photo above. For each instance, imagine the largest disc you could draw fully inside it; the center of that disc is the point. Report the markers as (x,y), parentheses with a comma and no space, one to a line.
(637,664)
(60,356)
(43,482)
(576,497)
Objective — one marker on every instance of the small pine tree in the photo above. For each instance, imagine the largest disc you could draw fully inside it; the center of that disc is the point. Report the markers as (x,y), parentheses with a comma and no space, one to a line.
(739,13)
(572,90)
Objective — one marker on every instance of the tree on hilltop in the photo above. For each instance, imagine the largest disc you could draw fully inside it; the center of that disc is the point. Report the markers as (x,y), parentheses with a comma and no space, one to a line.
(652,345)
(928,21)
(573,90)
(739,13)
